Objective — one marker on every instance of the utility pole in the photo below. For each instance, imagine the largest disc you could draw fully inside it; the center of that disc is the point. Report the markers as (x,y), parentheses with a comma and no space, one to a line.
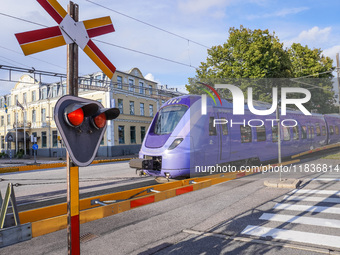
(338,76)
(73,226)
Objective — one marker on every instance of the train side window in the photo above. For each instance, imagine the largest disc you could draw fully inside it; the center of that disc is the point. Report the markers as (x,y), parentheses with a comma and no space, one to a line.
(318,130)
(286,133)
(336,130)
(331,130)
(274,134)
(261,133)
(246,136)
(303,132)
(296,133)
(311,131)
(224,128)
(323,130)
(212,129)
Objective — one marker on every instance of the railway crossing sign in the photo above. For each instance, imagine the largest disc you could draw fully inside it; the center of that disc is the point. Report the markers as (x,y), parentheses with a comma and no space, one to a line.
(73,33)
(68,31)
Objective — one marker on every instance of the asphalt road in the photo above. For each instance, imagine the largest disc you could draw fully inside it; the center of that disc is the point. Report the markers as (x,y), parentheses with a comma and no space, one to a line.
(241,216)
(44,187)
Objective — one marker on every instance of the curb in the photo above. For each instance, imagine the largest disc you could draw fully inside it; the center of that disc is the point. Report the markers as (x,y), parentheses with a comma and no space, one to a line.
(286,183)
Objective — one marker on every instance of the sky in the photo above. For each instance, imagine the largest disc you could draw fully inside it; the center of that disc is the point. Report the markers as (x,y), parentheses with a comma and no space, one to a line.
(309,22)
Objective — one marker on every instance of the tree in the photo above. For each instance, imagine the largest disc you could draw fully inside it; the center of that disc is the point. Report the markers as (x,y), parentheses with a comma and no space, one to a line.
(246,54)
(259,54)
(317,69)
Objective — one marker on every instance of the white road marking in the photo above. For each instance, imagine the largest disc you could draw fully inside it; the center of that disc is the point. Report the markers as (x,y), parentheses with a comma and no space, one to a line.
(292,235)
(315,191)
(307,208)
(312,199)
(301,220)
(326,179)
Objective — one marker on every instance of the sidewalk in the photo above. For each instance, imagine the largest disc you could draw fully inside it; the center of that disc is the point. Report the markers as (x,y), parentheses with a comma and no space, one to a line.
(49,160)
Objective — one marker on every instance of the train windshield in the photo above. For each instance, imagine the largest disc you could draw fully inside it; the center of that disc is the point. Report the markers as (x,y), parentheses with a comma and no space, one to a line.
(168,118)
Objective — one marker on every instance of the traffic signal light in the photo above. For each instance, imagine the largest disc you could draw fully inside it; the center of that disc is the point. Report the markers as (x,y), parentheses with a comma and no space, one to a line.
(82,123)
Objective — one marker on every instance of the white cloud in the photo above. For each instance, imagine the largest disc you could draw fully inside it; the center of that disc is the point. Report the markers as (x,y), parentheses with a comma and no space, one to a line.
(196,6)
(281,13)
(314,36)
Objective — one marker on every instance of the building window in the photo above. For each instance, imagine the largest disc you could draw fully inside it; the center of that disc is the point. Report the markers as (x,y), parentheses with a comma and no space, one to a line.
(132,108)
(33,96)
(141,87)
(150,110)
(212,129)
(2,121)
(43,139)
(98,81)
(8,101)
(119,82)
(121,134)
(130,85)
(2,142)
(142,133)
(150,89)
(24,96)
(16,99)
(55,138)
(246,136)
(34,116)
(120,106)
(261,133)
(44,93)
(132,134)
(142,109)
(8,119)
(43,115)
(54,91)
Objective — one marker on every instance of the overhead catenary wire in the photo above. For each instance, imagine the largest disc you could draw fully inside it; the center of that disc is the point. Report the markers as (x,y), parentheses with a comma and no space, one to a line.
(118,46)
(144,53)
(148,24)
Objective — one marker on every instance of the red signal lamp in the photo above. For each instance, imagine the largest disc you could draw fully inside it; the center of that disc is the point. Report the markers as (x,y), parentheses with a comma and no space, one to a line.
(76,117)
(103,115)
(100,120)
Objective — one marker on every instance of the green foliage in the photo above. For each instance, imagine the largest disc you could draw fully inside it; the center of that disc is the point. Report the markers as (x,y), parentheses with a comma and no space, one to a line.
(259,54)
(311,63)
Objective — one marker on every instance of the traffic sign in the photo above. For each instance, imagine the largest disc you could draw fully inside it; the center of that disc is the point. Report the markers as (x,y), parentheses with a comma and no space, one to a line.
(82,123)
(35,146)
(68,31)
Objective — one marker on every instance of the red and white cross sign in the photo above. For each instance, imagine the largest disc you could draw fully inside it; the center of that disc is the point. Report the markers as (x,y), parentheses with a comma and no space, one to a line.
(68,31)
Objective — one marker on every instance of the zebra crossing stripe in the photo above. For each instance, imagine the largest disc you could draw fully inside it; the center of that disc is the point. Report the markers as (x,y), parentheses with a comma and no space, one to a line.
(292,235)
(307,208)
(312,199)
(315,191)
(301,220)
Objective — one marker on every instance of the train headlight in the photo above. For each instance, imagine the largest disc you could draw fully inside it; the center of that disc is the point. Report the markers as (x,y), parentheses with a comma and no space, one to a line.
(175,143)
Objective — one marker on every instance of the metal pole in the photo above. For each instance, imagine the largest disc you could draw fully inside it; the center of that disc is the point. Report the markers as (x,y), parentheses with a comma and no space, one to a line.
(16,132)
(73,227)
(279,137)
(338,76)
(23,116)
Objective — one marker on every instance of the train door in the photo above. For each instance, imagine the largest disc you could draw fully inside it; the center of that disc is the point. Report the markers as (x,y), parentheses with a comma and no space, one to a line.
(224,138)
(213,143)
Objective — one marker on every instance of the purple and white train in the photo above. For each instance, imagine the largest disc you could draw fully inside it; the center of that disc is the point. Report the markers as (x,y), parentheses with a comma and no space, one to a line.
(181,138)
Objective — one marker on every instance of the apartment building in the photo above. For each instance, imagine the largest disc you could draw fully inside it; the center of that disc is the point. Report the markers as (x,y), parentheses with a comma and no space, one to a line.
(29,111)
